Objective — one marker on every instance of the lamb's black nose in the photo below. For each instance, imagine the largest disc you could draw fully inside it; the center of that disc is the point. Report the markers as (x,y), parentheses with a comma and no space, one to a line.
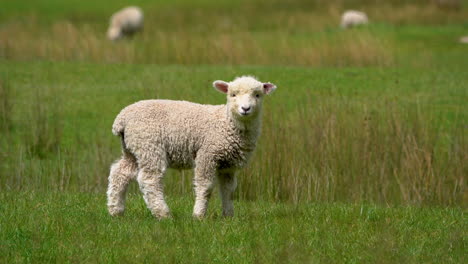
(245,108)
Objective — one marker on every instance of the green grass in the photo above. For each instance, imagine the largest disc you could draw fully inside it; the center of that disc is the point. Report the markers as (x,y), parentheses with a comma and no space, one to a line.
(75,227)
(362,159)
(346,135)
(357,134)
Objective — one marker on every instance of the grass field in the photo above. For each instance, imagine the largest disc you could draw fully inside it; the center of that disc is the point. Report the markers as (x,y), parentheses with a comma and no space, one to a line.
(363,155)
(75,227)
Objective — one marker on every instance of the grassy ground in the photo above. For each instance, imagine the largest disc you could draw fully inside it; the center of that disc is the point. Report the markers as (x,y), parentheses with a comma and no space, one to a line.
(75,227)
(363,155)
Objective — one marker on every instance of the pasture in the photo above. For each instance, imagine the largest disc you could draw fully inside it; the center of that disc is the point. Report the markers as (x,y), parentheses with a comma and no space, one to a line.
(363,155)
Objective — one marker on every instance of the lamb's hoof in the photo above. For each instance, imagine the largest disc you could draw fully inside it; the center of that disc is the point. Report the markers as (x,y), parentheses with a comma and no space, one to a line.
(198,216)
(228,215)
(162,214)
(163,217)
(116,211)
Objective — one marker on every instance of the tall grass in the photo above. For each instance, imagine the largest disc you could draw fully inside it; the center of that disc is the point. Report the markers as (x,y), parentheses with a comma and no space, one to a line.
(5,105)
(399,155)
(307,36)
(43,133)
(325,137)
(66,41)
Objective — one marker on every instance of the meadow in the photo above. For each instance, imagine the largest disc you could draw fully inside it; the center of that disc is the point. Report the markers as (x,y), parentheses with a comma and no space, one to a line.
(78,230)
(363,155)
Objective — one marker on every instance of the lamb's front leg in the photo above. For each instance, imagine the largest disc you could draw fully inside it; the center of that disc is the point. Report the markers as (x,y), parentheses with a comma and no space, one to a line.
(227,185)
(203,182)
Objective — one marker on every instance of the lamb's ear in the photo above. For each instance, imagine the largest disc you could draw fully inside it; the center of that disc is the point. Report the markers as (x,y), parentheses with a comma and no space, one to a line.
(268,88)
(221,86)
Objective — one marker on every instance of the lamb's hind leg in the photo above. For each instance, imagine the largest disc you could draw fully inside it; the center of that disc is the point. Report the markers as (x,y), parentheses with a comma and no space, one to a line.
(121,173)
(151,185)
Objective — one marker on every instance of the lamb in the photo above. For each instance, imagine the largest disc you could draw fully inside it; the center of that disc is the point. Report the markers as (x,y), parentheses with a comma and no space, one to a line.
(214,140)
(125,22)
(352,18)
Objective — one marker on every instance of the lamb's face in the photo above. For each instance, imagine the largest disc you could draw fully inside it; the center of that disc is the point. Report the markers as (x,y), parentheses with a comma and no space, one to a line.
(244,95)
(245,101)
(114,33)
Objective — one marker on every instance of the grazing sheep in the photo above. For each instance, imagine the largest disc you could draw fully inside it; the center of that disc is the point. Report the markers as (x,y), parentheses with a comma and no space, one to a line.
(215,140)
(464,39)
(125,23)
(353,18)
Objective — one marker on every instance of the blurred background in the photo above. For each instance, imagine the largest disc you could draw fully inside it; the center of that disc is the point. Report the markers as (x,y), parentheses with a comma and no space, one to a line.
(372,113)
(291,32)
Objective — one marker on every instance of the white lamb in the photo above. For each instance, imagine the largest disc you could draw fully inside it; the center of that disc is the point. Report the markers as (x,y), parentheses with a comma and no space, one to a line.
(125,22)
(215,140)
(353,18)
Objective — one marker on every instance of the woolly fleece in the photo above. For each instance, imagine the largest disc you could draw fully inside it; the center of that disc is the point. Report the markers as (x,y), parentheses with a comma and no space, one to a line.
(215,140)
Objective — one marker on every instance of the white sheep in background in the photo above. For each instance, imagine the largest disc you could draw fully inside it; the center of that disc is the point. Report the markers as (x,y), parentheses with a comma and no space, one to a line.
(215,140)
(353,18)
(464,40)
(125,22)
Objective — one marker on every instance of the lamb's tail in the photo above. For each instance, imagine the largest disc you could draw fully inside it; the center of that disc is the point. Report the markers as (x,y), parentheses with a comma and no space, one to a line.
(118,129)
(119,125)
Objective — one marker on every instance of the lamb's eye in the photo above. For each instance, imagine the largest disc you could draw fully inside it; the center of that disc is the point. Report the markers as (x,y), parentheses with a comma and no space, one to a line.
(257,95)
(233,95)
